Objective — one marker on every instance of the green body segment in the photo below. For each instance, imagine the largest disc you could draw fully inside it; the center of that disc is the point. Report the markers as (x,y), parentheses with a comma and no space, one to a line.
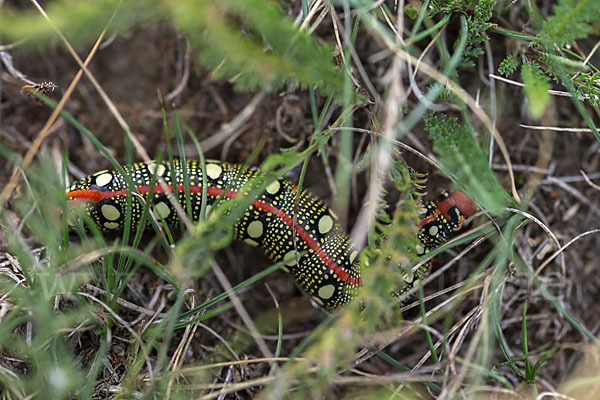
(304,235)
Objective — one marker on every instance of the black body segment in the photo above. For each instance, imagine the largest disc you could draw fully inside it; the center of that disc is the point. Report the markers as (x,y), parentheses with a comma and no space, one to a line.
(303,234)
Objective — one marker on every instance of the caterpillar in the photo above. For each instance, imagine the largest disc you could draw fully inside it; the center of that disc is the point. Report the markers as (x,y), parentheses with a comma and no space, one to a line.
(306,238)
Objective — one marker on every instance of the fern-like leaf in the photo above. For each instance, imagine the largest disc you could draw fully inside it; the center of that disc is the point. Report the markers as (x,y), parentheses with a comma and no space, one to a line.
(571,21)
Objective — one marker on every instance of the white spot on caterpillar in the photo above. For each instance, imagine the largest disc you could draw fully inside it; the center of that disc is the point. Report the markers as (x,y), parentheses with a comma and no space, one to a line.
(111,225)
(110,212)
(353,256)
(213,171)
(326,291)
(103,178)
(290,258)
(162,210)
(325,224)
(433,231)
(156,169)
(420,249)
(255,229)
(273,187)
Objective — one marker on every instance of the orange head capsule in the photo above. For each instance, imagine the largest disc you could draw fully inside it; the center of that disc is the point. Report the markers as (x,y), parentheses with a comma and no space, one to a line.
(463,203)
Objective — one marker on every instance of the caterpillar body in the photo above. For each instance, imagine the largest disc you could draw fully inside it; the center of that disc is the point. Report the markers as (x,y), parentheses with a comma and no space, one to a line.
(307,238)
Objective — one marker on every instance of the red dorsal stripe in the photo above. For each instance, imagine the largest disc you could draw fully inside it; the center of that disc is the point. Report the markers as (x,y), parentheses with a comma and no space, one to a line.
(82,195)
(310,242)
(97,195)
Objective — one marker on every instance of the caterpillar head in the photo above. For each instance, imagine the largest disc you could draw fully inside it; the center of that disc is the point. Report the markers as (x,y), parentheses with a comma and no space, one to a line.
(450,210)
(463,203)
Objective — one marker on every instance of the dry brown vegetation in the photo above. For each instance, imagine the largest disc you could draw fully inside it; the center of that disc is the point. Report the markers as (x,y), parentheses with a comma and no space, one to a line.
(555,161)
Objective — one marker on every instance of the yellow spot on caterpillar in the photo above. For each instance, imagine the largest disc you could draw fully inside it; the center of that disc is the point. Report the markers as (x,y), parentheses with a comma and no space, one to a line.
(325,224)
(156,169)
(162,210)
(111,225)
(273,187)
(326,291)
(318,301)
(103,178)
(353,256)
(110,212)
(420,249)
(255,229)
(213,171)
